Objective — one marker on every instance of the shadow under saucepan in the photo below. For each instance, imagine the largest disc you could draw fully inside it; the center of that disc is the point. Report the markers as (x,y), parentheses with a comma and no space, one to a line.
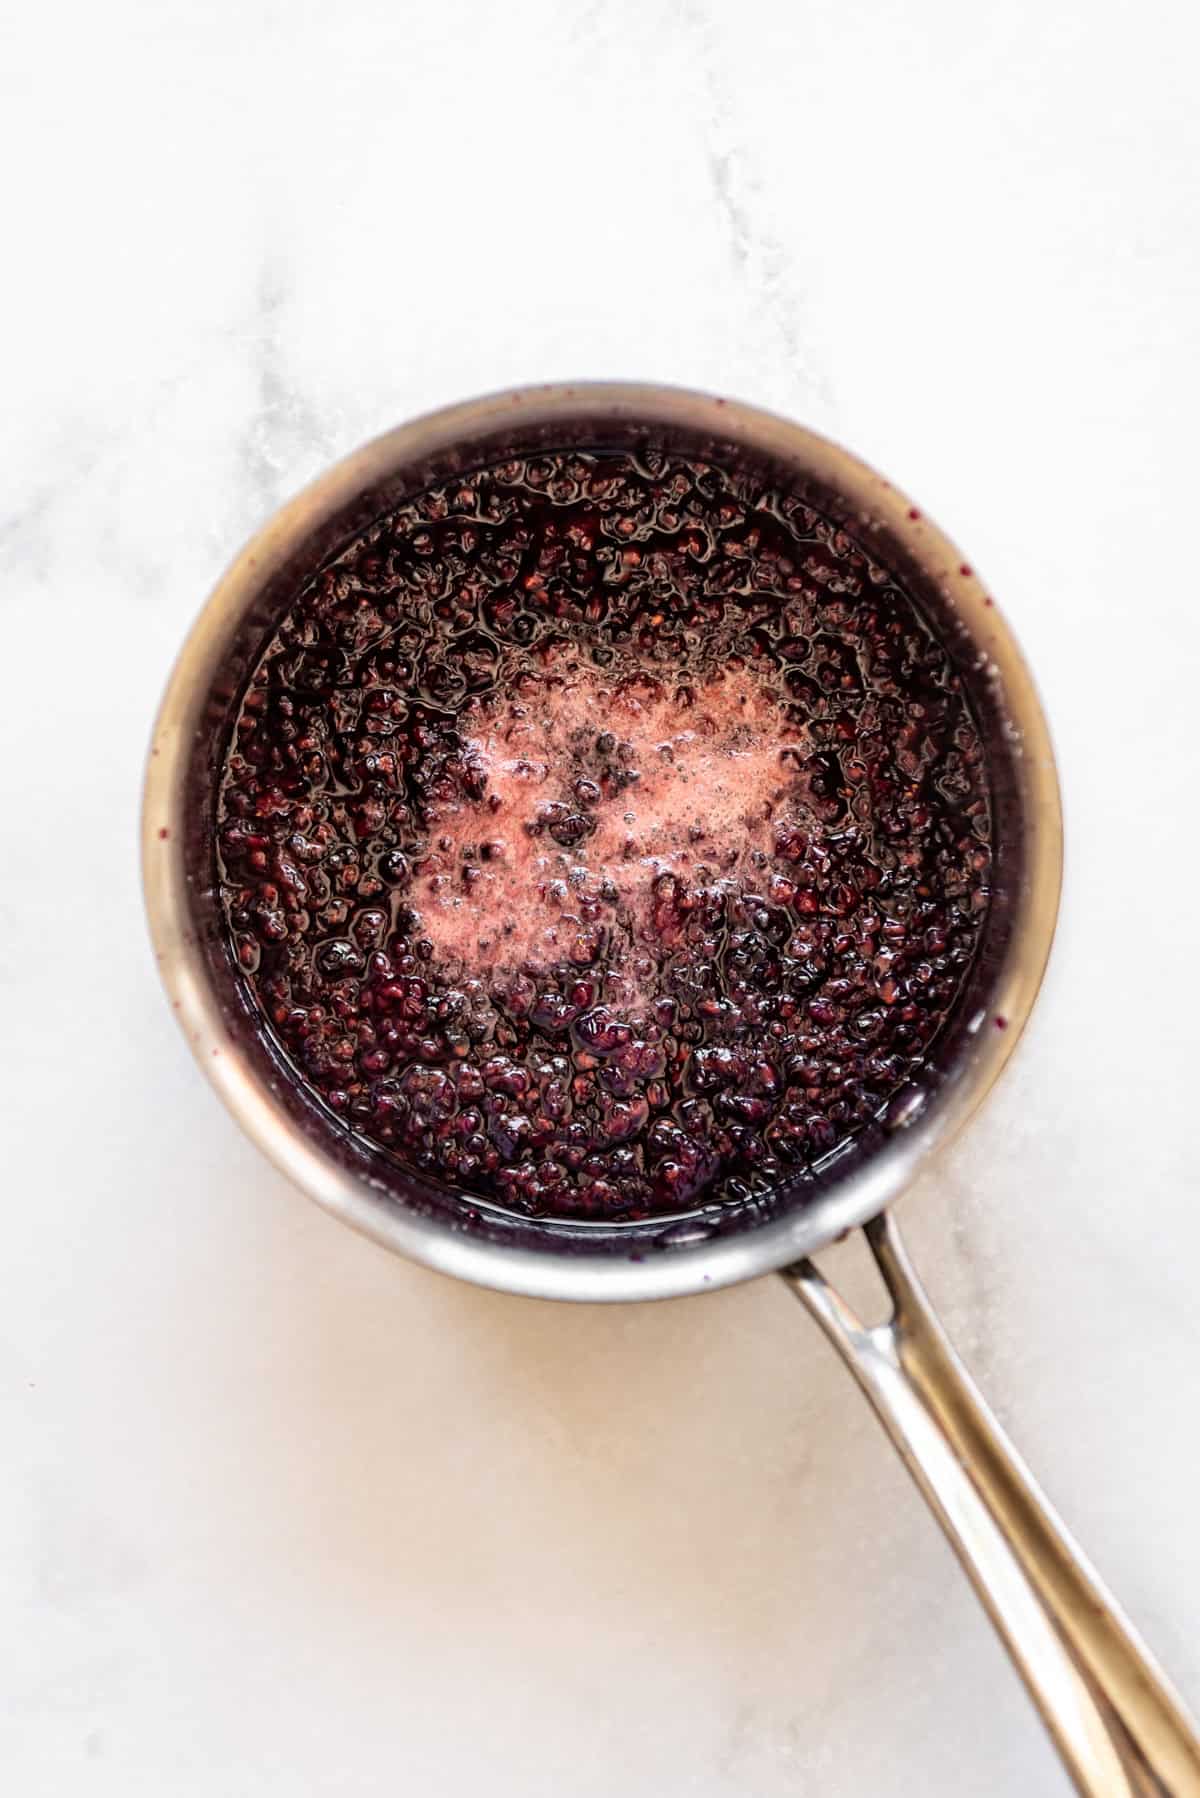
(542,1502)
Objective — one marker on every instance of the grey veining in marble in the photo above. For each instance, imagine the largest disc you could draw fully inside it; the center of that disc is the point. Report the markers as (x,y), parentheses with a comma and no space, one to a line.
(281,1515)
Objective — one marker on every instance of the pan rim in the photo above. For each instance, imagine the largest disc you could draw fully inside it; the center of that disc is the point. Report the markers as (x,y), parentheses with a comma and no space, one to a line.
(368,1205)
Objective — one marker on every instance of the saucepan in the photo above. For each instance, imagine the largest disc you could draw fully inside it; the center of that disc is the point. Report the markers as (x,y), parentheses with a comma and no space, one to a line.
(1117,1725)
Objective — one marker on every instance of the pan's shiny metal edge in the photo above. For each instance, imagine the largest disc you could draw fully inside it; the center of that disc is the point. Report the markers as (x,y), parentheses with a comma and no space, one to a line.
(864,1192)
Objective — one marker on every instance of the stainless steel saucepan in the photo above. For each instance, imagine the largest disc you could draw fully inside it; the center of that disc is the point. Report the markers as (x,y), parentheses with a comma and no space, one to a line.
(1112,1716)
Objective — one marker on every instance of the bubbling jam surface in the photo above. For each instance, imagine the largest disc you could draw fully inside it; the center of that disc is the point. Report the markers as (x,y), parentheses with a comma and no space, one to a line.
(604,836)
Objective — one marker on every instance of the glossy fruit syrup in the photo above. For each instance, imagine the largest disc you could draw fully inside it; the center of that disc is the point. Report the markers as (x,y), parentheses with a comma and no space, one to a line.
(604,837)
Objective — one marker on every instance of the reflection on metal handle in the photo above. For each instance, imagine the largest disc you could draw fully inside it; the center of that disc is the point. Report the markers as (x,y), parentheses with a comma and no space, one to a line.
(1116,1723)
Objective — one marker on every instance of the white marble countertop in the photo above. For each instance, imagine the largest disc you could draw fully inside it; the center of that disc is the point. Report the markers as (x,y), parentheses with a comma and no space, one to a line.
(280,1514)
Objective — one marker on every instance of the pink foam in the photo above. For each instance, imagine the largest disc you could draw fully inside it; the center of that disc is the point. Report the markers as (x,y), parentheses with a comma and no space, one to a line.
(710,780)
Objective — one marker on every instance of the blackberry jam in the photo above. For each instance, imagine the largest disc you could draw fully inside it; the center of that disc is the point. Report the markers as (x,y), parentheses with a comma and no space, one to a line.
(604,836)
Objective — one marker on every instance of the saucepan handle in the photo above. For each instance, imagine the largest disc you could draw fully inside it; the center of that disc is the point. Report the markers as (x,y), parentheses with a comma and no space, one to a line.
(1115,1721)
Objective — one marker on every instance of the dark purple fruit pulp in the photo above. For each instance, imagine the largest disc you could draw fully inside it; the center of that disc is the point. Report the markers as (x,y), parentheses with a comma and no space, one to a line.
(604,837)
